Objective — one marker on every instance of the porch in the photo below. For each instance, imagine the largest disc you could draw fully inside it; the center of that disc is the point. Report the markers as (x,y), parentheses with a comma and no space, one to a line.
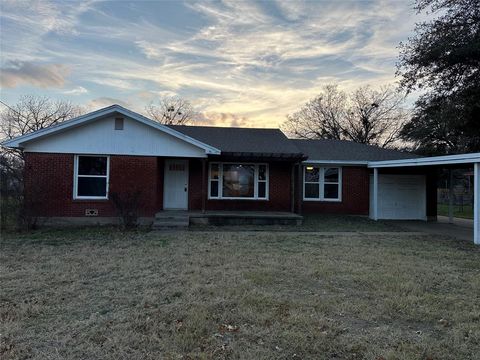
(175,219)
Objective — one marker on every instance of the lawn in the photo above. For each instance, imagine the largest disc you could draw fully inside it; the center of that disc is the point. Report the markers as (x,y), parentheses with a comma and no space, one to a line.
(104,294)
(465,211)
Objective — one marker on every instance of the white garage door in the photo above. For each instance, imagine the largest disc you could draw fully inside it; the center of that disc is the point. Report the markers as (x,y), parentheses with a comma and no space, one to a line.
(400,197)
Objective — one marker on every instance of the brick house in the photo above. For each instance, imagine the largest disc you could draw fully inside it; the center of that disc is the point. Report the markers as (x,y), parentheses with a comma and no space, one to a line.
(76,166)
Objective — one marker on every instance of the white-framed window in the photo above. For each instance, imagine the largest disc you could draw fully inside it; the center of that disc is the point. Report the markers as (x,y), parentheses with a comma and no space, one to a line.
(91,174)
(245,181)
(322,183)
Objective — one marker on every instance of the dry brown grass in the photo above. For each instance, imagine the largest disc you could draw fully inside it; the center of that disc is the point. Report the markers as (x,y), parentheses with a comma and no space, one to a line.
(100,293)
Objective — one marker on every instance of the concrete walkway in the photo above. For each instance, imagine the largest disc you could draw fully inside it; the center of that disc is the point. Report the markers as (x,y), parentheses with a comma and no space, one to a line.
(460,229)
(468,223)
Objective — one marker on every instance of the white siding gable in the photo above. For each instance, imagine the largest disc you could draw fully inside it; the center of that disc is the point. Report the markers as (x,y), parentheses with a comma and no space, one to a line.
(100,137)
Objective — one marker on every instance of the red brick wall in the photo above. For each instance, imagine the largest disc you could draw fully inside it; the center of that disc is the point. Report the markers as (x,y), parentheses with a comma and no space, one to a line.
(160,171)
(195,184)
(355,195)
(51,176)
(49,179)
(279,191)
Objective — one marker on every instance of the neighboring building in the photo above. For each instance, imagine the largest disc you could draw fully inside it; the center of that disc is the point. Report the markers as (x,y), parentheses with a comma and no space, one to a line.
(74,167)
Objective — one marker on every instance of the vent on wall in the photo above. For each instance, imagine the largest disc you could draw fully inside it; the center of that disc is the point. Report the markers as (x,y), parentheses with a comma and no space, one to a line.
(91,212)
(118,123)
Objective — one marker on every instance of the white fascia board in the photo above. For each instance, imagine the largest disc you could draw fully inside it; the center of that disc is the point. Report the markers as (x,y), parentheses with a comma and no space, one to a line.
(18,141)
(428,161)
(335,162)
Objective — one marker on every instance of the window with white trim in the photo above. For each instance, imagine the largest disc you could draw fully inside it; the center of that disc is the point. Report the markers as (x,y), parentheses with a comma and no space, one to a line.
(238,181)
(322,183)
(91,177)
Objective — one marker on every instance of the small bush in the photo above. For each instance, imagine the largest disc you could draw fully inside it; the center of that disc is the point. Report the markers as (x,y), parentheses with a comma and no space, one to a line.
(127,205)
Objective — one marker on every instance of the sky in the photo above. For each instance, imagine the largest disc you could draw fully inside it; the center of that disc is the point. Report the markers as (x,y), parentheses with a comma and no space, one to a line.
(240,63)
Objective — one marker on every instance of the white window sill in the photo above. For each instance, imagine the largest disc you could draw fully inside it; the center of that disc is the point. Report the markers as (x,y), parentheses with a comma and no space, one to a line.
(90,198)
(238,198)
(324,200)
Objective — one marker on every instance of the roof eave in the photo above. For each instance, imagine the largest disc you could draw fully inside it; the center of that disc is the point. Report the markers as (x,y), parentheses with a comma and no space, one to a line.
(284,156)
(336,162)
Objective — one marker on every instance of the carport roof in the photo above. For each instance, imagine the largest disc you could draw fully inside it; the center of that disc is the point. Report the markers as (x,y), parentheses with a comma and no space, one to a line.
(428,161)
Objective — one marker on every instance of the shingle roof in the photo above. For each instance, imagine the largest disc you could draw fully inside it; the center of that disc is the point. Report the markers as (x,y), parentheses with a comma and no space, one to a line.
(347,151)
(273,142)
(242,140)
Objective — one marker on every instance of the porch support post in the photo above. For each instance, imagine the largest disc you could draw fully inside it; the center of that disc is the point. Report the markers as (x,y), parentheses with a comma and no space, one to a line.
(204,184)
(300,187)
(450,196)
(292,193)
(375,194)
(476,203)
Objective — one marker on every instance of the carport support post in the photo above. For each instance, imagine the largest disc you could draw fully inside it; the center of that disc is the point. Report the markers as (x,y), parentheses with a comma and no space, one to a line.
(476,203)
(450,196)
(375,193)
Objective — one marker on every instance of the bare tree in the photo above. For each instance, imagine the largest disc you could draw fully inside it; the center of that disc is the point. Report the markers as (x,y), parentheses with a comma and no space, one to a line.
(375,117)
(31,113)
(171,110)
(319,118)
(367,116)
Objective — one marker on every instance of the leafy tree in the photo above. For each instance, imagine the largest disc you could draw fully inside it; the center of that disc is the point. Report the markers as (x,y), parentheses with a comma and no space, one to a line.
(365,115)
(171,110)
(443,60)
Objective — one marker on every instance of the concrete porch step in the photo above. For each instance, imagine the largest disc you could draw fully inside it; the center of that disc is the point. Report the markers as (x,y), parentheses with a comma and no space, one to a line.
(171,220)
(172,217)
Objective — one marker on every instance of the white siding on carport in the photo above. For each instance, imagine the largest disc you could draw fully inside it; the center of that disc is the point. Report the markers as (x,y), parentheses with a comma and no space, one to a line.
(100,137)
(400,197)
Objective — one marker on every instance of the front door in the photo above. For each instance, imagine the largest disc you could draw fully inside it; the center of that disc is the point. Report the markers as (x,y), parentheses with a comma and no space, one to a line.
(175,185)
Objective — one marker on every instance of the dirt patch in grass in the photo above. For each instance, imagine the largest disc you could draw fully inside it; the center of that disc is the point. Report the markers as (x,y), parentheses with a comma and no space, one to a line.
(100,293)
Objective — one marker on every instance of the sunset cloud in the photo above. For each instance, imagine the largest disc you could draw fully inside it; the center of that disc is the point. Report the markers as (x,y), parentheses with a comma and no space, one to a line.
(17,73)
(79,90)
(238,62)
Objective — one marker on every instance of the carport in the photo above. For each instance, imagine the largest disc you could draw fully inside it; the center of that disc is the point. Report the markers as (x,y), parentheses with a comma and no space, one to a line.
(406,189)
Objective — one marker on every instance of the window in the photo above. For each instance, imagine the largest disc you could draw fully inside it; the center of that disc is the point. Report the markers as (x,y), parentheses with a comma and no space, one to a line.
(91,177)
(331,183)
(262,181)
(176,167)
(322,183)
(214,180)
(238,181)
